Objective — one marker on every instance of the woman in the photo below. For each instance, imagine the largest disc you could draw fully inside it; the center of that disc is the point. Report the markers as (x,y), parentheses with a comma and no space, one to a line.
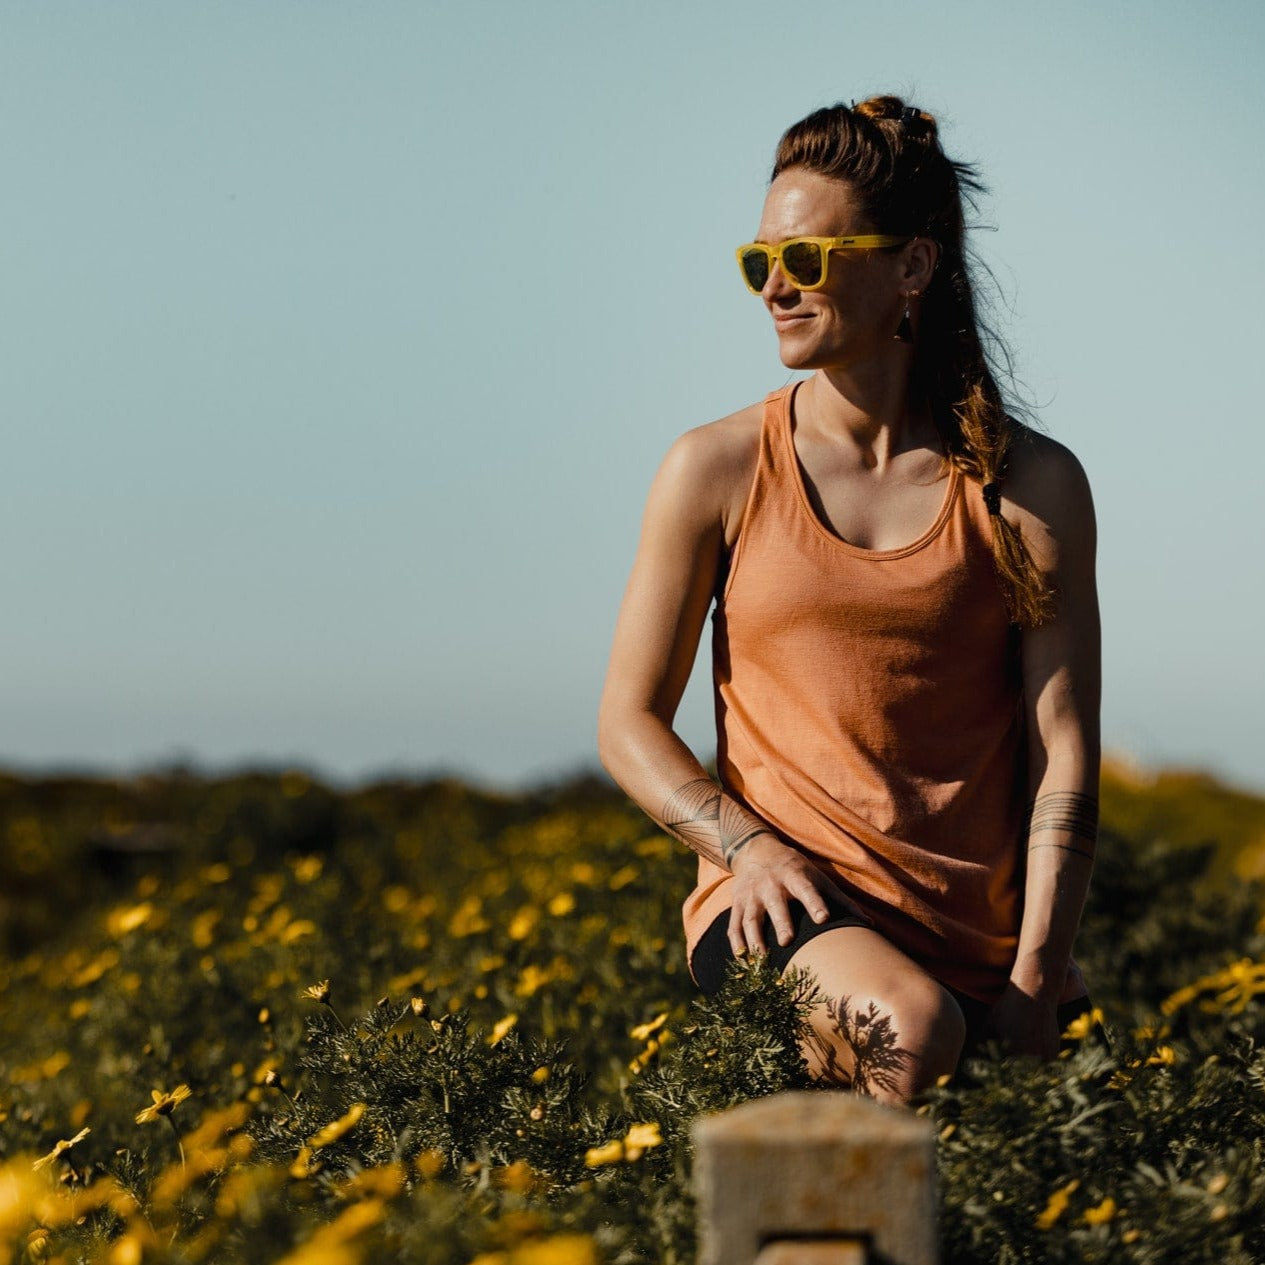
(905,638)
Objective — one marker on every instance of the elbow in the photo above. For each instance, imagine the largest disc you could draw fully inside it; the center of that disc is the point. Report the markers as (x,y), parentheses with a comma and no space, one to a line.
(626,734)
(611,741)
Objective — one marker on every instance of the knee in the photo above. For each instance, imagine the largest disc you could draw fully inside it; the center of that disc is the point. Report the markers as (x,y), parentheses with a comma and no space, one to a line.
(936,1031)
(899,1044)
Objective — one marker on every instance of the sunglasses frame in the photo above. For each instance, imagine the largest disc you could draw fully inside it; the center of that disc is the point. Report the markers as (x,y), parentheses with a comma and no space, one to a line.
(866,241)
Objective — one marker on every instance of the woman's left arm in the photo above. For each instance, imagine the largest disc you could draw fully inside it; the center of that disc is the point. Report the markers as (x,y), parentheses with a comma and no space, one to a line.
(1051,503)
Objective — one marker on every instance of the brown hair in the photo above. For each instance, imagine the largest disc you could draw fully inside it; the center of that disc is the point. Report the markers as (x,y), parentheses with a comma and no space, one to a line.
(890,155)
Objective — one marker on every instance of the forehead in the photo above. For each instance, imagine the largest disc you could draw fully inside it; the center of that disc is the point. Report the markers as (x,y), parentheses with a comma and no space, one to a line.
(803,203)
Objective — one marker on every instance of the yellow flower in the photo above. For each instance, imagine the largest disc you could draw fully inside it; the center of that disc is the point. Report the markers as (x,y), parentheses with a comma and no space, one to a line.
(302,1166)
(653,1046)
(128,918)
(502,1028)
(163,1104)
(384,1182)
(642,1031)
(640,1138)
(307,869)
(335,1130)
(1164,1054)
(329,1245)
(297,929)
(60,1149)
(611,1153)
(469,919)
(517,1176)
(317,992)
(621,878)
(1057,1205)
(1234,987)
(1103,1213)
(531,980)
(561,1249)
(523,923)
(1082,1025)
(561,904)
(126,1250)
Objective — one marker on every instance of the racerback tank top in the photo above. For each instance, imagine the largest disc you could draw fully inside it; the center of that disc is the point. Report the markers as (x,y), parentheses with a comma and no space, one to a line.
(869,707)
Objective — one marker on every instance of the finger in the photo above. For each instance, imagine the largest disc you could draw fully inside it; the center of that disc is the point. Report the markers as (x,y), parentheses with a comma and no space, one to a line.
(751,928)
(813,901)
(780,916)
(736,942)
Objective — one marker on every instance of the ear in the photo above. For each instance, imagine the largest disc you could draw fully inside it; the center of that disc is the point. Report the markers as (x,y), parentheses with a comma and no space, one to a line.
(920,258)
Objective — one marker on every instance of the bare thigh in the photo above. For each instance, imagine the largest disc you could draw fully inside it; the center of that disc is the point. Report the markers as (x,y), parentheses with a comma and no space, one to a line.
(885,1027)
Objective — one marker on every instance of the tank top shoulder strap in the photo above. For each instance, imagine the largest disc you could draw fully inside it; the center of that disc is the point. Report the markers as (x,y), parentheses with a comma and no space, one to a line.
(768,489)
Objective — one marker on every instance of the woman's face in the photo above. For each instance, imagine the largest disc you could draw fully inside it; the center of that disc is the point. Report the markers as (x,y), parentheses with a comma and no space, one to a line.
(854,316)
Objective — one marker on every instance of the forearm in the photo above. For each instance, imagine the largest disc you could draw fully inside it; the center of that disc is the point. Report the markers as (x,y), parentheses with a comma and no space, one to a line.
(1061,837)
(664,777)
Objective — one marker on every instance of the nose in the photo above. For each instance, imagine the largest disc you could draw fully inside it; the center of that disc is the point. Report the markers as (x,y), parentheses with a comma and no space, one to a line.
(776,284)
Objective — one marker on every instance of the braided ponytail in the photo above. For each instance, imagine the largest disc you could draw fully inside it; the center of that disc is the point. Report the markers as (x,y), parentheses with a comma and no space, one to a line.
(890,154)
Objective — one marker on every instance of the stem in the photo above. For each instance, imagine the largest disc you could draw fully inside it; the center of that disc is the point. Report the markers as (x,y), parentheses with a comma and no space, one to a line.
(179,1144)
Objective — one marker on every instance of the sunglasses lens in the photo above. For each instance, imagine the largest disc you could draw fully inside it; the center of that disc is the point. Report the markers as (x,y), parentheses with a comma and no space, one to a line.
(755,267)
(802,263)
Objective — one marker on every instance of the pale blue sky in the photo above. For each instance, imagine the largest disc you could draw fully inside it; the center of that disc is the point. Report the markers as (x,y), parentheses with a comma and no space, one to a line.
(339,344)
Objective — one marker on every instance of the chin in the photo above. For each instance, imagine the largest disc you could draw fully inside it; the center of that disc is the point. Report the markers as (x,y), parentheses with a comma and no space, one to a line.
(797,354)
(806,357)
(812,355)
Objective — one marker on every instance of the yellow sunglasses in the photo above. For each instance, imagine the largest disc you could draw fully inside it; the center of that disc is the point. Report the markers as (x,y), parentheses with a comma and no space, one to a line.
(804,260)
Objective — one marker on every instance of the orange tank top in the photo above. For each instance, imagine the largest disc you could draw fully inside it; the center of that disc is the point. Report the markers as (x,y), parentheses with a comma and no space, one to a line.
(869,707)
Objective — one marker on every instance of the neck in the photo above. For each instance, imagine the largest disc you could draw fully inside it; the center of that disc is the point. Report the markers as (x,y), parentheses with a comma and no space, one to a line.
(876,413)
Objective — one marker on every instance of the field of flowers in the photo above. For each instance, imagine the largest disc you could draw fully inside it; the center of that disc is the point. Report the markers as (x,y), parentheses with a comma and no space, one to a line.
(253,1019)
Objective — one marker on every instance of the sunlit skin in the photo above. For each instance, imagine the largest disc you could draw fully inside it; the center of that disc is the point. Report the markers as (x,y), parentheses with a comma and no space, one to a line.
(870,451)
(872,465)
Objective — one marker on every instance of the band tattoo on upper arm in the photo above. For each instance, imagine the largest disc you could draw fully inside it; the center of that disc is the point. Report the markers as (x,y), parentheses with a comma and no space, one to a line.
(1069,812)
(708,821)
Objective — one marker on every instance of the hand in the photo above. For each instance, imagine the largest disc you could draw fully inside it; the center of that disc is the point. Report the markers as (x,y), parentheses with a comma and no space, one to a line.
(767,875)
(1025,1024)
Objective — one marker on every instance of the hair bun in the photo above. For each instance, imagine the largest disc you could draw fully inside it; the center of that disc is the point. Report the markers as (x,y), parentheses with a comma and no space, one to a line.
(888,109)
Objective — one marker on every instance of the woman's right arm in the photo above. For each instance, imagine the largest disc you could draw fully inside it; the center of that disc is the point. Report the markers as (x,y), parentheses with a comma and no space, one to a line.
(656,640)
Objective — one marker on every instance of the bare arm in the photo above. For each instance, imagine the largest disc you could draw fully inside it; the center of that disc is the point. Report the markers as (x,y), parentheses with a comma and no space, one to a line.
(656,640)
(1062,689)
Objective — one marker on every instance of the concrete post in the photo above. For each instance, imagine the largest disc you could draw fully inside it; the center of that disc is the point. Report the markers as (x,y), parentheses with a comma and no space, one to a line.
(815,1178)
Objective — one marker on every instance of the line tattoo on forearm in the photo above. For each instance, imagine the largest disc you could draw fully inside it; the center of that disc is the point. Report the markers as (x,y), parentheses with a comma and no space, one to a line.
(1068,812)
(707,820)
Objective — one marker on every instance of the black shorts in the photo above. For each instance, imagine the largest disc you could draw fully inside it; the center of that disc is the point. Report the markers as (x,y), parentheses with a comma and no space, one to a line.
(712,955)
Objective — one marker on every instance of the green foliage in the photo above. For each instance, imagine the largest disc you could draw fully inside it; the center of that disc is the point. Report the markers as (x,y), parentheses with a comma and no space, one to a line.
(509,1052)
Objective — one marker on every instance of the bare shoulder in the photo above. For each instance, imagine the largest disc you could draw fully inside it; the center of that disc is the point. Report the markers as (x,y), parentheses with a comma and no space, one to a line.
(1046,494)
(716,461)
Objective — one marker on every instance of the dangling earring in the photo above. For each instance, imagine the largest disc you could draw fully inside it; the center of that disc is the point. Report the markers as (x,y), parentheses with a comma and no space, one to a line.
(905,330)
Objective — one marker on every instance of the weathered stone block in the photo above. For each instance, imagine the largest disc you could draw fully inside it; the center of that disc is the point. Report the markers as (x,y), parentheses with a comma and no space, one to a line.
(815,1165)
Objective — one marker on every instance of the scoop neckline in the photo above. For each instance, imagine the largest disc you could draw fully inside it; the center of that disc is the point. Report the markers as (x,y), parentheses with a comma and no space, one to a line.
(797,476)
